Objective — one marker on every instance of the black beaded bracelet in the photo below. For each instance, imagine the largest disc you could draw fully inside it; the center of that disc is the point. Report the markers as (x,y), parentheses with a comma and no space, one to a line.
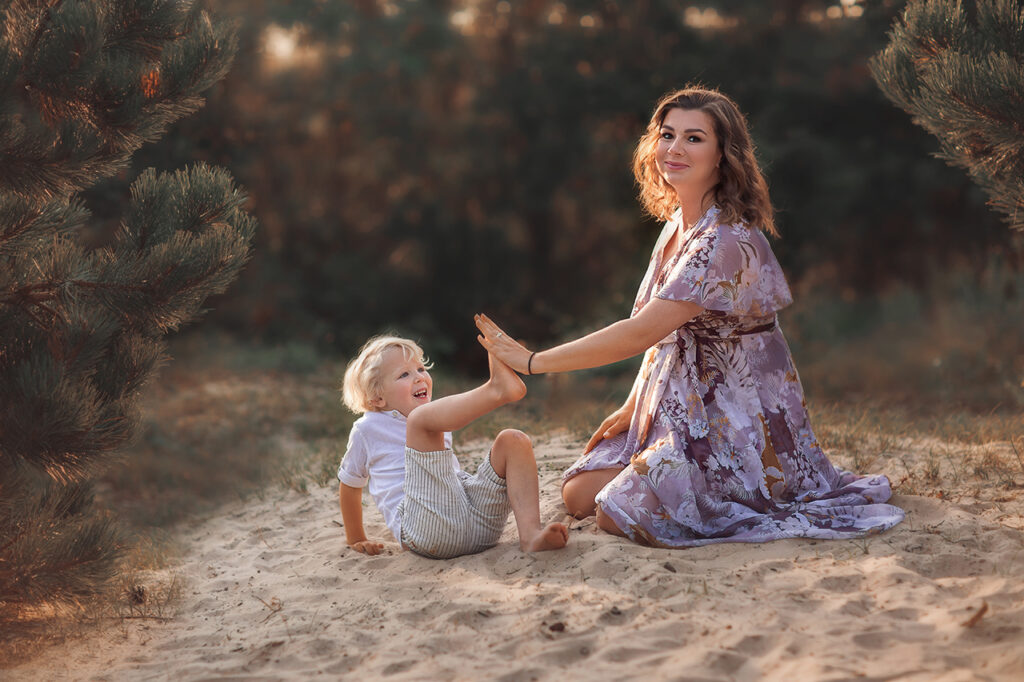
(529,363)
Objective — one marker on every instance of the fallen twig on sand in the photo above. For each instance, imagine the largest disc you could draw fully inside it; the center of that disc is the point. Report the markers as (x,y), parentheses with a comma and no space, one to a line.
(976,618)
(275,605)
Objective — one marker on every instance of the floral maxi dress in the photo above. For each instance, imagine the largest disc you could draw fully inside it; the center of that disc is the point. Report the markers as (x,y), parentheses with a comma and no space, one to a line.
(720,448)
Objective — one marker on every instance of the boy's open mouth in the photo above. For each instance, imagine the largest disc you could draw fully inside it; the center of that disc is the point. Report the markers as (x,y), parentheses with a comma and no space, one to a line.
(422,393)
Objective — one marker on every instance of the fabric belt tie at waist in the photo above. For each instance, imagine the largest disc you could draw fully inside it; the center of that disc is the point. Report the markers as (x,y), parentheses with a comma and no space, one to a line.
(761,328)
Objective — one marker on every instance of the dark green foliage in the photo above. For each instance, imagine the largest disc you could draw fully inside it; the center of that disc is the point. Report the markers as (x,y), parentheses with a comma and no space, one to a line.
(56,549)
(959,71)
(82,86)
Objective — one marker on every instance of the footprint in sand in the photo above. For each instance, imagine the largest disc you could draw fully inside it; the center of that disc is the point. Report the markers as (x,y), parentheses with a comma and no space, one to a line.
(398,667)
(669,589)
(726,662)
(954,566)
(625,654)
(902,614)
(860,606)
(478,619)
(754,645)
(843,584)
(767,568)
(874,640)
(908,632)
(572,652)
(425,612)
(322,648)
(668,636)
(527,675)
(377,563)
(616,616)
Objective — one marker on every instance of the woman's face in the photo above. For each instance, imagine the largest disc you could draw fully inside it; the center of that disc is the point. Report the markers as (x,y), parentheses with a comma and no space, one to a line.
(687,154)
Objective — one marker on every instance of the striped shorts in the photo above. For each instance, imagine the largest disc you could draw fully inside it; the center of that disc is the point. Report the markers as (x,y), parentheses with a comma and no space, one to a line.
(447,513)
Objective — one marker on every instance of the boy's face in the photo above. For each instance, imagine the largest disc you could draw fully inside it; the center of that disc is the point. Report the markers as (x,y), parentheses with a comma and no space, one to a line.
(405,383)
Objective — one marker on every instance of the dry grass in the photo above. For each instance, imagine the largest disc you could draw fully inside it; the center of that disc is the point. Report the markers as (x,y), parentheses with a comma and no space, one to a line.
(958,347)
(934,453)
(220,423)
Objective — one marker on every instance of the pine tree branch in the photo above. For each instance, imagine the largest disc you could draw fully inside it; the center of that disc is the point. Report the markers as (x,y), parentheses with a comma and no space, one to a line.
(84,84)
(982,112)
(108,286)
(133,35)
(12,232)
(122,123)
(22,531)
(959,75)
(32,296)
(44,20)
(50,168)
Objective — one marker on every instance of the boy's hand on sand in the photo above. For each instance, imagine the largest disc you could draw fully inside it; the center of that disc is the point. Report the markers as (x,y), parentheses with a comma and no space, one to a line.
(368,547)
(497,342)
(504,380)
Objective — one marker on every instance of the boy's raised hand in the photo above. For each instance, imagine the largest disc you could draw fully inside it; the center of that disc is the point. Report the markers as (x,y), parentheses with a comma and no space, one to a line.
(368,547)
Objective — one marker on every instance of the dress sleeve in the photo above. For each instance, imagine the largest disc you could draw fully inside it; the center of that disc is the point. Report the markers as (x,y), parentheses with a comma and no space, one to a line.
(354,471)
(729,269)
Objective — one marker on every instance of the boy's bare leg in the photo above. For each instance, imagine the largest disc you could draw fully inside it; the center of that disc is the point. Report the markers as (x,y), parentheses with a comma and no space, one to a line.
(512,458)
(427,424)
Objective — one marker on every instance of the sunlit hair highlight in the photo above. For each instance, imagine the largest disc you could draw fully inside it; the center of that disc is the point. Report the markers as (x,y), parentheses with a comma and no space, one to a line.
(363,382)
(741,193)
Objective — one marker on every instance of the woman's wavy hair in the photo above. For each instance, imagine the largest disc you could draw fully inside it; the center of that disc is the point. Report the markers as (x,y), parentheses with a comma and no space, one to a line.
(741,193)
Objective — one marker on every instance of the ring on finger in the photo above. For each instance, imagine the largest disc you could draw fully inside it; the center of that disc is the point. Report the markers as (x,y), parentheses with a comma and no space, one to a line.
(499,335)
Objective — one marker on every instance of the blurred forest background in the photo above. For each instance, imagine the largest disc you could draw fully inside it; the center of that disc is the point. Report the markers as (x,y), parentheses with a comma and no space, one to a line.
(411,163)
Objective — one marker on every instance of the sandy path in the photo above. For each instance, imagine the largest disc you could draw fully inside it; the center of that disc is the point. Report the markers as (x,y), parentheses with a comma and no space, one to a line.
(272,593)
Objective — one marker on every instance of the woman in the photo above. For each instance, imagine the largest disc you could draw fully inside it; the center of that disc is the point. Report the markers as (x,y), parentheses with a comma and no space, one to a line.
(713,443)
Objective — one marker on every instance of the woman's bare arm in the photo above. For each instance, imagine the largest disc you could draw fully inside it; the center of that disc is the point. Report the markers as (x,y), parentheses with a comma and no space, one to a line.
(617,341)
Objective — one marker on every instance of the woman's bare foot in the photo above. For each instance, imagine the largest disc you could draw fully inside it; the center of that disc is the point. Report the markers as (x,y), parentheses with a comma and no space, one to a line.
(504,381)
(552,536)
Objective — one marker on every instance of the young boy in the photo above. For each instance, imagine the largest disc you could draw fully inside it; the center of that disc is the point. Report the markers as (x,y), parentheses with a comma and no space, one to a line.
(401,448)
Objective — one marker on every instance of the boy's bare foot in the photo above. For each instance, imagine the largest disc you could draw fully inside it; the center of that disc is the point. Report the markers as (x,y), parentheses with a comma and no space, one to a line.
(552,536)
(505,381)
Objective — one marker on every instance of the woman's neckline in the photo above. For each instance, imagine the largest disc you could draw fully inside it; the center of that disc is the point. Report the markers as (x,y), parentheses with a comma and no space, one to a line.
(695,223)
(680,233)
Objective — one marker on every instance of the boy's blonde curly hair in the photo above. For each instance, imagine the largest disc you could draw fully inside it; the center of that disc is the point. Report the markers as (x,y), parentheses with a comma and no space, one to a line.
(363,382)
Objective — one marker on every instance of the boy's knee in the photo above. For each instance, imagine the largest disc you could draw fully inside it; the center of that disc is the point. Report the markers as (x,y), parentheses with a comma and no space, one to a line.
(514,439)
(511,445)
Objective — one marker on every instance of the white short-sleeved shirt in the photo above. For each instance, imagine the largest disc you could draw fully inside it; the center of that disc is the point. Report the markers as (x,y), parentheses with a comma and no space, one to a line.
(376,456)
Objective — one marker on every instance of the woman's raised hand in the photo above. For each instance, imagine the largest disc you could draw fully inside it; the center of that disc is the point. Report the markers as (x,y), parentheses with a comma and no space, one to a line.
(503,346)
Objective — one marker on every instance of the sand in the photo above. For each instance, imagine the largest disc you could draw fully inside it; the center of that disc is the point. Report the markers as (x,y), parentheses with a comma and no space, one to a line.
(271,592)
